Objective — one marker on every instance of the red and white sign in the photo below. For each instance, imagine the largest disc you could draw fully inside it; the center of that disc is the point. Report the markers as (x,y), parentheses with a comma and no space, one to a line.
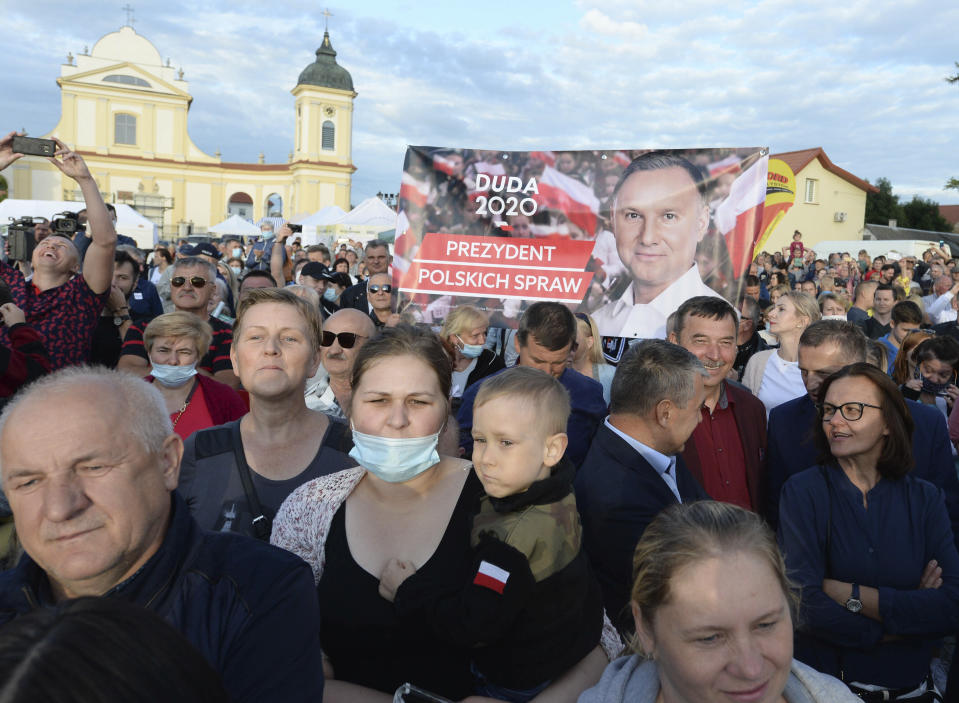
(491,576)
(498,267)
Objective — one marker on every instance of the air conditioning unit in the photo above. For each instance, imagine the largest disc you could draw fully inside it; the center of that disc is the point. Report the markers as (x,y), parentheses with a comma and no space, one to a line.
(839,217)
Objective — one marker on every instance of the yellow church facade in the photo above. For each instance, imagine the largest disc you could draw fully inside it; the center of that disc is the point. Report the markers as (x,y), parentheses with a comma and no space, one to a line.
(127,113)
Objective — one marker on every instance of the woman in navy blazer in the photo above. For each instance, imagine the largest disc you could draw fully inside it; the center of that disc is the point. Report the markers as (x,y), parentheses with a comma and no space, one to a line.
(869,544)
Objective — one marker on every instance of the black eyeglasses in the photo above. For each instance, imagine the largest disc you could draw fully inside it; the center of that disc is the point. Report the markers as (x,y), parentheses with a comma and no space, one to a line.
(386,288)
(195,281)
(347,339)
(850,411)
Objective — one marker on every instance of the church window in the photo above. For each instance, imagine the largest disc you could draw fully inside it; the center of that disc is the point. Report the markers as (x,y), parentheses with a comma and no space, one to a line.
(127,80)
(124,128)
(328,135)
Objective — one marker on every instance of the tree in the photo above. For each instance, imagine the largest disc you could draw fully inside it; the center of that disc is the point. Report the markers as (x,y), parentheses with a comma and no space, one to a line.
(952,183)
(923,213)
(955,78)
(884,205)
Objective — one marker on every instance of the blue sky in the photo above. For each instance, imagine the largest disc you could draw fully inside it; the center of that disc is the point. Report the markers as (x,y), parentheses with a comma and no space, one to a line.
(864,80)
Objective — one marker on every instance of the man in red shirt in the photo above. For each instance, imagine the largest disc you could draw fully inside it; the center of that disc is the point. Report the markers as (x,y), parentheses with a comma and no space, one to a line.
(727,450)
(62,305)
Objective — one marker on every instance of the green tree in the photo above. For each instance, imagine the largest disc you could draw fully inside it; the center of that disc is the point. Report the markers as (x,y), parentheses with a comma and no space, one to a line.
(923,213)
(884,205)
(952,183)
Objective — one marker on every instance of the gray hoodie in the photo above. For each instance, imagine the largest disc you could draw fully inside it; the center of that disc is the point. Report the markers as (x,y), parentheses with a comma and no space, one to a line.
(632,679)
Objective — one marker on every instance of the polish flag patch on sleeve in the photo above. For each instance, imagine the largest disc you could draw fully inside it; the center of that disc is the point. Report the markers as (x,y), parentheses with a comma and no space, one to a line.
(491,576)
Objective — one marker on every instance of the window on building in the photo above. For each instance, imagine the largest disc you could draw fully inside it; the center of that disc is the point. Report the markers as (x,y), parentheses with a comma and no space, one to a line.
(812,190)
(124,128)
(127,80)
(329,135)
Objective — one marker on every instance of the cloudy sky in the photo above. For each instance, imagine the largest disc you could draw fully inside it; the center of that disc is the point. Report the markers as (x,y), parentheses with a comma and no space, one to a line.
(864,80)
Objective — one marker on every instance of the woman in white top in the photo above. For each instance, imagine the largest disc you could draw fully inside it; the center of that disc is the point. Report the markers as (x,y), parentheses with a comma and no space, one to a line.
(773,375)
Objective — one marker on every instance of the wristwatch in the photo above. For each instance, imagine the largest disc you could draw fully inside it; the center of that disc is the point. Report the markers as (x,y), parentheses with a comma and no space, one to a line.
(854,605)
(118,320)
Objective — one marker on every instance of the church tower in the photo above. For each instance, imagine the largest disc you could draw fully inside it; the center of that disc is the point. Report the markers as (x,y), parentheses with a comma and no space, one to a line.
(324,127)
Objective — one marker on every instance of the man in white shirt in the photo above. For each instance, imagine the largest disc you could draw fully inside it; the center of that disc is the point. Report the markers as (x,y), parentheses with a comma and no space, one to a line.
(938,304)
(659,216)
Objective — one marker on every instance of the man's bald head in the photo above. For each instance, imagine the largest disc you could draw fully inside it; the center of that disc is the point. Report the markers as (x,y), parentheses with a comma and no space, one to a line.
(338,359)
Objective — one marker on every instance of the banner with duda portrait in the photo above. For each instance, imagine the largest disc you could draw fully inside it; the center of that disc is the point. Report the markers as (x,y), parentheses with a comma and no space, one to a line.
(626,236)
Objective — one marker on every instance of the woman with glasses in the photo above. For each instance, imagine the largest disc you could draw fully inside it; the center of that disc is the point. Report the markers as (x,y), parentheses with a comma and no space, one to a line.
(463,336)
(236,475)
(870,545)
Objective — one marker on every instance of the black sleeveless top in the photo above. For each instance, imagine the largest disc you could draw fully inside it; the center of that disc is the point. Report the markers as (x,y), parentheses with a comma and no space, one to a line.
(360,632)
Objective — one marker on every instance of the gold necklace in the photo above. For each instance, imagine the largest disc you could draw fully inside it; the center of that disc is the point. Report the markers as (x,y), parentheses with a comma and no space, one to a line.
(182,410)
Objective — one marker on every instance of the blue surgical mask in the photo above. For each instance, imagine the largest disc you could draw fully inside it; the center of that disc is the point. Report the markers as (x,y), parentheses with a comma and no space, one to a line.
(330,294)
(236,270)
(395,459)
(172,376)
(470,351)
(237,252)
(267,234)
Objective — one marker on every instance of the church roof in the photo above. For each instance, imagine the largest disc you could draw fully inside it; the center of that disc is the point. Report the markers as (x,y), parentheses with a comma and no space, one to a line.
(325,72)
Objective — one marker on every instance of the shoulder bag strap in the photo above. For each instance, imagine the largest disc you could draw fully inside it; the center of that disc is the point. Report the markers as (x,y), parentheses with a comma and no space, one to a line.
(262,525)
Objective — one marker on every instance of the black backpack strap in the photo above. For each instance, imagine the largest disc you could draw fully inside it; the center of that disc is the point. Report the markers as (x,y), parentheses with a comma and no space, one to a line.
(262,525)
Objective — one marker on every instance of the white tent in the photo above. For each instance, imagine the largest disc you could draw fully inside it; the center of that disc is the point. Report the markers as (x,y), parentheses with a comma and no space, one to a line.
(235,225)
(372,212)
(320,218)
(129,221)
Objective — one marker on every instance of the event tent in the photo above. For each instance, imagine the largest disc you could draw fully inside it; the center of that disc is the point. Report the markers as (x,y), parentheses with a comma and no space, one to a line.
(129,221)
(235,225)
(320,218)
(364,222)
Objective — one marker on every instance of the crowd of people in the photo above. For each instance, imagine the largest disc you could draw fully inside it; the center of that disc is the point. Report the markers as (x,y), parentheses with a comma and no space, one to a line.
(248,457)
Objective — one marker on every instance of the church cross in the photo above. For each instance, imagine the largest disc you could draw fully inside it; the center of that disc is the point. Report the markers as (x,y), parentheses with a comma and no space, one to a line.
(326,14)
(129,10)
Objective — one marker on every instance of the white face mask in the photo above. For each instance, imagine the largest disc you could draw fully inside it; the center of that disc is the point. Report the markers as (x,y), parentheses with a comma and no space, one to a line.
(172,376)
(395,459)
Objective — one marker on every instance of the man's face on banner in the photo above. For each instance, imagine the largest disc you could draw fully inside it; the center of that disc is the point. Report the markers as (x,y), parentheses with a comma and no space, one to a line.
(658,219)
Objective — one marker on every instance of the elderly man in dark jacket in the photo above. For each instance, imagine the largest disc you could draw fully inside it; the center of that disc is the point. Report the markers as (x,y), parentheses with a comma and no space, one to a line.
(89,463)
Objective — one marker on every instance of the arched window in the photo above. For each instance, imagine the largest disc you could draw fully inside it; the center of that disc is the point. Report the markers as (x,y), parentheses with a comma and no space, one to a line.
(329,135)
(124,128)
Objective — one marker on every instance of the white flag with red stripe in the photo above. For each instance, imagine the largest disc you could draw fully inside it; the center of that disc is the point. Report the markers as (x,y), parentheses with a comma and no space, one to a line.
(740,215)
(414,191)
(573,198)
(444,164)
(491,576)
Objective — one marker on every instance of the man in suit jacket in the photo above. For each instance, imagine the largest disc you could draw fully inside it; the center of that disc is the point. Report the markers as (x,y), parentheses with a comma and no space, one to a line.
(377,261)
(824,348)
(632,470)
(727,451)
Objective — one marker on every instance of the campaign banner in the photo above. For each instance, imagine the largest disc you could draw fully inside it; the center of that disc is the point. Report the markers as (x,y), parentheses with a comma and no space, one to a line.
(623,235)
(780,196)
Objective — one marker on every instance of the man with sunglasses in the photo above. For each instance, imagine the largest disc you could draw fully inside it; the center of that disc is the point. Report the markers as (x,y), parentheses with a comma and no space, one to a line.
(379,291)
(824,348)
(191,287)
(377,261)
(344,333)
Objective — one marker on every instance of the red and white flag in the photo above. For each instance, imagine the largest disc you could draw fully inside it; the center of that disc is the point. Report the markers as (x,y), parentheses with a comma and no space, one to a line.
(414,191)
(491,576)
(442,163)
(573,198)
(622,158)
(739,217)
(728,165)
(547,157)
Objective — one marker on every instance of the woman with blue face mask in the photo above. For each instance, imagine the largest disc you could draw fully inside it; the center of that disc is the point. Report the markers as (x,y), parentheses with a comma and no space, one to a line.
(404,501)
(463,335)
(175,342)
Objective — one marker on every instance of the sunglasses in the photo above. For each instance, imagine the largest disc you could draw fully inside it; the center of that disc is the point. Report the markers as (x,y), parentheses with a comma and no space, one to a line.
(347,340)
(195,281)
(386,288)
